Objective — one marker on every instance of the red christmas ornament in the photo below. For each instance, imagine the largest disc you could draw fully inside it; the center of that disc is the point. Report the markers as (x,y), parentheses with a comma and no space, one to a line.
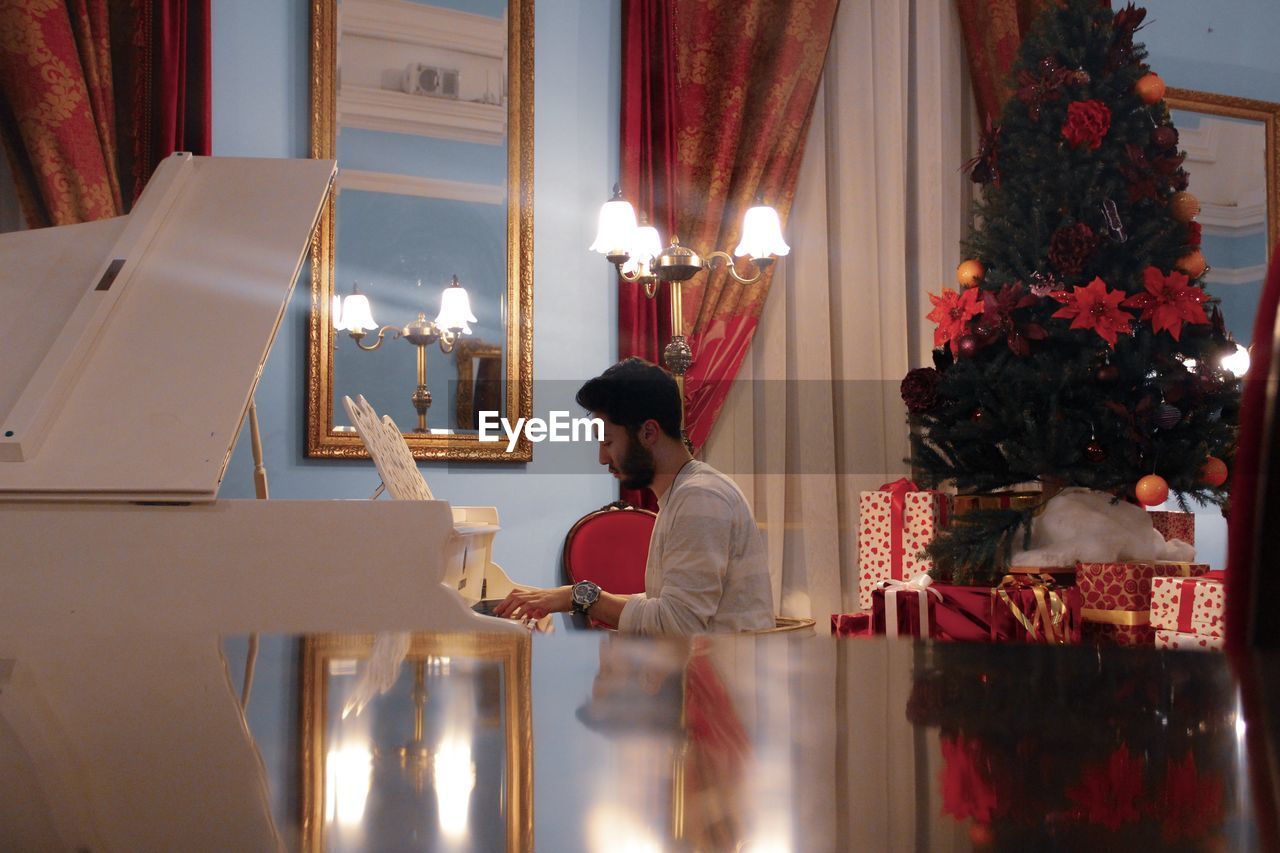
(1164,137)
(977,416)
(1150,88)
(966,346)
(1213,472)
(1095,452)
(1107,374)
(981,836)
(1151,490)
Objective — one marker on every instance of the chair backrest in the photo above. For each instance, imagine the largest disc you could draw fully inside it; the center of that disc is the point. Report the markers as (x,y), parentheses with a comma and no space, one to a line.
(610,547)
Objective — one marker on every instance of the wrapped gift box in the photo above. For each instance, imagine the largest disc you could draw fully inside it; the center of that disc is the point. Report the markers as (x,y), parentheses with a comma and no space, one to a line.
(1175,525)
(1178,640)
(851,624)
(895,523)
(980,614)
(1193,605)
(1117,598)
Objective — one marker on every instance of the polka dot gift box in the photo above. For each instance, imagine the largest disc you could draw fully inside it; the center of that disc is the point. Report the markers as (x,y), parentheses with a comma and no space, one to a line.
(1189,605)
(895,523)
(1179,640)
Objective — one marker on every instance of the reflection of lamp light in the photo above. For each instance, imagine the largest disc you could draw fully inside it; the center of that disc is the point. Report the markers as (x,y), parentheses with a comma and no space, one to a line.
(454,776)
(1237,363)
(354,316)
(638,254)
(348,771)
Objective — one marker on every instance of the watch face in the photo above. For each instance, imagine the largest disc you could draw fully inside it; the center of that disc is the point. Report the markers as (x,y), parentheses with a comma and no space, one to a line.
(585,594)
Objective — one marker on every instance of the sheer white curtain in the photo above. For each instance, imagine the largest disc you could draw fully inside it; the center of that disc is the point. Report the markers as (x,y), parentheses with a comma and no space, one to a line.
(815,417)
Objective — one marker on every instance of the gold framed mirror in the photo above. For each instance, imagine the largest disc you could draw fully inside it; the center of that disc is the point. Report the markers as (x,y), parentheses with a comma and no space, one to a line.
(1233,159)
(442,759)
(428,110)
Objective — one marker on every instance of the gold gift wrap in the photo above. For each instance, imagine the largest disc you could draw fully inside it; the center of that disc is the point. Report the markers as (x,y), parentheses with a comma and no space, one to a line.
(961,504)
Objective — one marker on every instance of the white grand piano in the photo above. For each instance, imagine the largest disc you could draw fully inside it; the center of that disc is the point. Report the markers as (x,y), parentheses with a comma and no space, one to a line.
(132,348)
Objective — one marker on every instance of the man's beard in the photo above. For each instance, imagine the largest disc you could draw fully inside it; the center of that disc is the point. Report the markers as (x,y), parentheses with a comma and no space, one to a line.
(638,466)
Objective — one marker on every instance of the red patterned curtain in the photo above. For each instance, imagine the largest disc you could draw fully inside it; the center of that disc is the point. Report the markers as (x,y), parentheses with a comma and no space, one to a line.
(716,101)
(993,31)
(93,94)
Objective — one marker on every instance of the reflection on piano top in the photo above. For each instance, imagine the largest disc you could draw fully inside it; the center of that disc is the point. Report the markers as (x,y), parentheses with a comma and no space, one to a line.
(782,742)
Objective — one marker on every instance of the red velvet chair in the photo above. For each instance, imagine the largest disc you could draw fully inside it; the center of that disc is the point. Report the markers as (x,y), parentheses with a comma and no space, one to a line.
(609,547)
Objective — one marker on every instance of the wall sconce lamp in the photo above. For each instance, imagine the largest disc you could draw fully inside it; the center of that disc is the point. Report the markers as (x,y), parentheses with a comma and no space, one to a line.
(636,250)
(354,315)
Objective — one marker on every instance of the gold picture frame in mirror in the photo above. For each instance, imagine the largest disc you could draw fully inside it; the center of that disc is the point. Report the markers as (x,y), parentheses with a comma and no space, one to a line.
(442,759)
(429,112)
(1232,148)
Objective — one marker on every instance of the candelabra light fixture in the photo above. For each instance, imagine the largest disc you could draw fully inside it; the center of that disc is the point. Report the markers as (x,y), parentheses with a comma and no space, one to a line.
(354,315)
(636,250)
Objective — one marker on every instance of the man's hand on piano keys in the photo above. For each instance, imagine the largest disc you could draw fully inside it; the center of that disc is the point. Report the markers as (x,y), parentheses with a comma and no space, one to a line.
(535,603)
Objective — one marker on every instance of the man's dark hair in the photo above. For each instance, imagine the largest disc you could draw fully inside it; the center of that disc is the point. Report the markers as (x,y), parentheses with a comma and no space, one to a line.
(631,392)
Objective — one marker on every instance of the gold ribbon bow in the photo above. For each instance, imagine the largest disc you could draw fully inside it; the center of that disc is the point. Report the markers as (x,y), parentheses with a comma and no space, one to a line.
(1051,610)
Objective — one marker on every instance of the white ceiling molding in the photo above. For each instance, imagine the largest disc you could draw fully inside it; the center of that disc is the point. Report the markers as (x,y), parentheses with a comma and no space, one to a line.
(1241,275)
(427,26)
(385,182)
(1219,218)
(421,115)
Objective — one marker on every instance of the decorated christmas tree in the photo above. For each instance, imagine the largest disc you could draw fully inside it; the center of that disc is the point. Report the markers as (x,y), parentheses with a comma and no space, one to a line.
(1080,348)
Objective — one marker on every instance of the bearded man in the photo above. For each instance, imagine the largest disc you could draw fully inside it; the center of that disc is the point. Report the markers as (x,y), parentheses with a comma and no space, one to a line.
(707,569)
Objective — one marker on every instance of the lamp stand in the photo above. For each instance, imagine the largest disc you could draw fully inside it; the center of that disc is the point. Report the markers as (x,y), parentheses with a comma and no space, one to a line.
(421,396)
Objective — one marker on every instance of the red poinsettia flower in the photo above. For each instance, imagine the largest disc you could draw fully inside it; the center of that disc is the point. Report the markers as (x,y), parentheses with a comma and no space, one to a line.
(1168,302)
(952,312)
(1190,804)
(1095,307)
(967,790)
(1107,794)
(997,316)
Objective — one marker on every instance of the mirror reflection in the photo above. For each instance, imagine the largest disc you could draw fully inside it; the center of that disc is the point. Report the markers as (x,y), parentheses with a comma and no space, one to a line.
(1231,157)
(407,737)
(422,277)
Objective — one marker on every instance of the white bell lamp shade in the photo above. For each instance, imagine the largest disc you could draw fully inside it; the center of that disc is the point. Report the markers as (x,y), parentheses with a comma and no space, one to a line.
(761,234)
(357,315)
(1237,363)
(615,232)
(455,309)
(645,246)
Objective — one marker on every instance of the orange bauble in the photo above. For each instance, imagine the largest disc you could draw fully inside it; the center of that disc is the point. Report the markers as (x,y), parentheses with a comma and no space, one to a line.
(1152,490)
(1184,207)
(1213,472)
(1150,88)
(1193,264)
(970,272)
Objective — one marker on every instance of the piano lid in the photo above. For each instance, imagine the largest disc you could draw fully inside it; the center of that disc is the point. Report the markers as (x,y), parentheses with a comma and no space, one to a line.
(132,346)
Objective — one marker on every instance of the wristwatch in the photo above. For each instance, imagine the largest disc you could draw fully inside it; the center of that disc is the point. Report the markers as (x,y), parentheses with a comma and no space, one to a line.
(585,594)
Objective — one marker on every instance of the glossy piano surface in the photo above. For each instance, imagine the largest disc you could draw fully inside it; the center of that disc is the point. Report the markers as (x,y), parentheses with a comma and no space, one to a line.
(578,740)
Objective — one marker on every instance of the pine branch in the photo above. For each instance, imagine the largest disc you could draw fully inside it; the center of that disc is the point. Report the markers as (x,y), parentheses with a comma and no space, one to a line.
(976,547)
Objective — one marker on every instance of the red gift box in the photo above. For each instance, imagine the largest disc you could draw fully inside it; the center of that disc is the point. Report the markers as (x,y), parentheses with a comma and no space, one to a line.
(1192,605)
(1010,613)
(895,523)
(851,624)
(1117,598)
(1175,525)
